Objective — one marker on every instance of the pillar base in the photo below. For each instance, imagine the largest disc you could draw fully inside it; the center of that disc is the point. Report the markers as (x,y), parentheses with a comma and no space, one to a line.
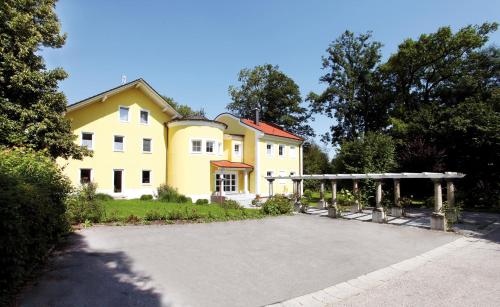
(355,208)
(379,216)
(333,212)
(297,206)
(397,211)
(321,204)
(438,221)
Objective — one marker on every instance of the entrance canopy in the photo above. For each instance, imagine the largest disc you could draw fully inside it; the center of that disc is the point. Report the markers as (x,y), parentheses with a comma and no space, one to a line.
(232,165)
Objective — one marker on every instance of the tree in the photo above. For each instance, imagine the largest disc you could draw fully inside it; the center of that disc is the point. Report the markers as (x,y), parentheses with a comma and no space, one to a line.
(315,161)
(276,96)
(31,107)
(353,95)
(183,109)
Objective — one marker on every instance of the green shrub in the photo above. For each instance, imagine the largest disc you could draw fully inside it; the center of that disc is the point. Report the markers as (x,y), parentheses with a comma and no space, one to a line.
(146,197)
(308,194)
(169,194)
(32,219)
(278,204)
(154,215)
(84,205)
(345,198)
(230,204)
(202,201)
(103,197)
(188,200)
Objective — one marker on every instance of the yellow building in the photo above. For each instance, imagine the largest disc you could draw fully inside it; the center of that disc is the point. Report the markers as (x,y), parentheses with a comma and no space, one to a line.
(139,142)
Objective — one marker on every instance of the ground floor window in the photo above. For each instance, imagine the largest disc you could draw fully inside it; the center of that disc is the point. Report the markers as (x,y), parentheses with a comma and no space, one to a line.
(146,177)
(85,175)
(230,184)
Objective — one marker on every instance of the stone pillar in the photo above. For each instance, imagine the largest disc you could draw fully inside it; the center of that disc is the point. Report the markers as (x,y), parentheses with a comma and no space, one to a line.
(451,213)
(296,195)
(355,208)
(378,214)
(221,187)
(321,202)
(333,209)
(397,210)
(245,182)
(438,220)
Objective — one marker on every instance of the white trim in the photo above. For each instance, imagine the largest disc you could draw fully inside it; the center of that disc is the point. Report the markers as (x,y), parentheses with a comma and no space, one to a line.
(191,146)
(123,142)
(207,123)
(227,172)
(150,145)
(120,115)
(113,180)
(214,147)
(284,150)
(81,139)
(150,177)
(272,149)
(80,174)
(280,139)
(140,118)
(257,166)
(238,153)
(282,181)
(257,131)
(294,151)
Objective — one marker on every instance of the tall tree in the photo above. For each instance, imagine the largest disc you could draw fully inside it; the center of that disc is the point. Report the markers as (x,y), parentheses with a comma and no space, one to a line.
(276,96)
(31,107)
(353,94)
(315,161)
(184,109)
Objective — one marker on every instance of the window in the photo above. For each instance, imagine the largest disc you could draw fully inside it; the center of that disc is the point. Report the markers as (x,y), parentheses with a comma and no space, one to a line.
(209,146)
(281,150)
(144,115)
(269,174)
(196,146)
(146,177)
(293,153)
(146,145)
(118,143)
(237,151)
(282,174)
(292,173)
(269,149)
(85,175)
(229,182)
(220,149)
(87,140)
(124,114)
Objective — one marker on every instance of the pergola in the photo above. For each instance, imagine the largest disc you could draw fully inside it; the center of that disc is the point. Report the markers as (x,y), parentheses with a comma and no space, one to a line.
(438,221)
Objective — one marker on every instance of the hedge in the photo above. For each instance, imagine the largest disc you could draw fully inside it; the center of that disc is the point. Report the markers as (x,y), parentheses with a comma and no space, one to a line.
(32,214)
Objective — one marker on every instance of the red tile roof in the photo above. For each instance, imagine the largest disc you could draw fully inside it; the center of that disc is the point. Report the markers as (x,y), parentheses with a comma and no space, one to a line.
(229,164)
(271,129)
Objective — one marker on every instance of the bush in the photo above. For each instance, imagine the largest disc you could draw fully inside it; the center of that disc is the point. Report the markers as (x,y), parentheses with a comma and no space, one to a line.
(308,194)
(230,204)
(32,194)
(103,197)
(202,201)
(154,215)
(169,194)
(278,204)
(146,197)
(84,205)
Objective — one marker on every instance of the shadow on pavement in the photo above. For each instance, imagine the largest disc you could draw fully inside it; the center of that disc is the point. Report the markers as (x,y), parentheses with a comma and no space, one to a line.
(76,276)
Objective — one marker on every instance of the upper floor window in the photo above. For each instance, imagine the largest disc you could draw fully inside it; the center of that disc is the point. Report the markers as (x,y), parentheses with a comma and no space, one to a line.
(88,140)
(196,146)
(269,149)
(124,114)
(85,175)
(118,143)
(293,152)
(209,146)
(144,117)
(146,145)
(220,149)
(237,149)
(281,150)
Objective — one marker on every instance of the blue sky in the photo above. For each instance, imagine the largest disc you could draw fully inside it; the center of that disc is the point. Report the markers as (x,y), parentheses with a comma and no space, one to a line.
(193,50)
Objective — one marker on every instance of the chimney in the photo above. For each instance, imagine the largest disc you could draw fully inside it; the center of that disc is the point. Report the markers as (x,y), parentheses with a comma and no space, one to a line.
(257,119)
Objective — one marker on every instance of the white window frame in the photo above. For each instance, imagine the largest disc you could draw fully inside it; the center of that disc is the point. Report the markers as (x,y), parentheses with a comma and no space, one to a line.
(214,143)
(283,154)
(240,149)
(267,173)
(150,177)
(270,154)
(293,151)
(113,144)
(282,174)
(80,174)
(236,182)
(191,146)
(150,146)
(140,118)
(119,114)
(92,143)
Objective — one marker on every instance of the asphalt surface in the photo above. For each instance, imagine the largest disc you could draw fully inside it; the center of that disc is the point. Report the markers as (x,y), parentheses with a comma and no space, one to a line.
(245,263)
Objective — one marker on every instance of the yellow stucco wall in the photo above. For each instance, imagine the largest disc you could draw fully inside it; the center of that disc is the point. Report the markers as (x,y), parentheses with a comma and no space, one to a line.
(191,172)
(102,119)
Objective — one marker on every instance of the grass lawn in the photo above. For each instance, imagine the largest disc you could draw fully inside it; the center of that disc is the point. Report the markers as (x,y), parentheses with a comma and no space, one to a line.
(135,211)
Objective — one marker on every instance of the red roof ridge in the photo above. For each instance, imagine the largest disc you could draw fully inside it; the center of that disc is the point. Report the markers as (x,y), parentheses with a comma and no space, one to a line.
(271,129)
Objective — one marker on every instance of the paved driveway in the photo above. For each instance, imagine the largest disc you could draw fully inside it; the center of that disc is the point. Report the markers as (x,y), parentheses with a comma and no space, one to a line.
(246,263)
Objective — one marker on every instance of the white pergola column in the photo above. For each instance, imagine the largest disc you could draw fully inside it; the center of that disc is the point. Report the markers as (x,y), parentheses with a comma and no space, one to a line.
(438,220)
(378,214)
(245,182)
(397,210)
(451,214)
(270,187)
(355,208)
(333,209)
(321,202)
